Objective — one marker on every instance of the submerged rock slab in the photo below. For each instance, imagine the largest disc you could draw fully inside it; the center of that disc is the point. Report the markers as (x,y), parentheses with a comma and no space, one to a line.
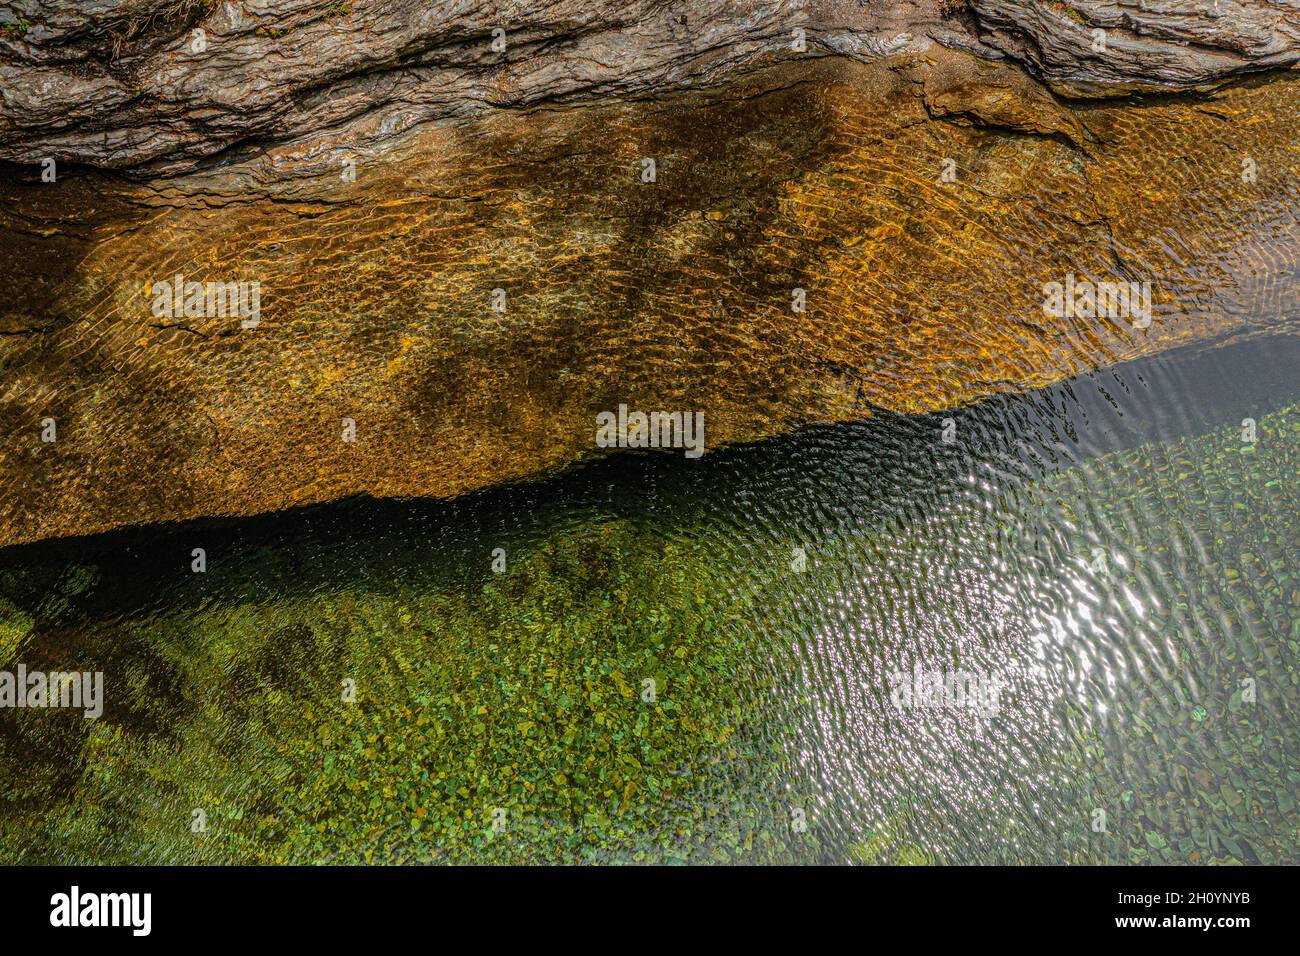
(771,683)
(923,247)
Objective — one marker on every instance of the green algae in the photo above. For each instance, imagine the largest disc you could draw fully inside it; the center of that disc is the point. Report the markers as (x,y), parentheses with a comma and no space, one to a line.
(504,716)
(526,700)
(14,626)
(1217,733)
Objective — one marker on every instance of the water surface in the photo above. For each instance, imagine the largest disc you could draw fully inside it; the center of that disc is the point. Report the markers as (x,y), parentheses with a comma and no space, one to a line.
(1110,550)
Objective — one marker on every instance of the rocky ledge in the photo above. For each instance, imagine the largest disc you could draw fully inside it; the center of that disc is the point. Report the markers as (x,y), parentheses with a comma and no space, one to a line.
(158,87)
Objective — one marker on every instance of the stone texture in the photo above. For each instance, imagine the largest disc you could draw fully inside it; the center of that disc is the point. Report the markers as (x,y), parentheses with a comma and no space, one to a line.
(1152,44)
(366,69)
(922,294)
(121,83)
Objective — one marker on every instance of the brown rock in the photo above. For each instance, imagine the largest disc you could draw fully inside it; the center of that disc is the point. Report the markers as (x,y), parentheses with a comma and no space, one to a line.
(922,293)
(1104,47)
(162,87)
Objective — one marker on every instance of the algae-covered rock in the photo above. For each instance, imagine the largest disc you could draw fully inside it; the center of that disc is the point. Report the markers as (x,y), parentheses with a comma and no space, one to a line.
(636,666)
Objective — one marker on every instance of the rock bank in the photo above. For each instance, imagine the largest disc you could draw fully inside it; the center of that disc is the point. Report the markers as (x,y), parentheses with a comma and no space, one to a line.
(161,87)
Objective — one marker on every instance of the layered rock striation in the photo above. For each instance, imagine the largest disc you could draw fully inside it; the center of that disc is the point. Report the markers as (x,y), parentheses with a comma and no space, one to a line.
(161,87)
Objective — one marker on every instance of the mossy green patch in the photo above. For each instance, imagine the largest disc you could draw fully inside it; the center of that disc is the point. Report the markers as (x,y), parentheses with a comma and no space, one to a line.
(689,670)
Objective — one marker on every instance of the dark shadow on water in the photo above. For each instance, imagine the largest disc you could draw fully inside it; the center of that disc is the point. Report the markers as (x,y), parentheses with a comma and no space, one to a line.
(877,465)
(887,497)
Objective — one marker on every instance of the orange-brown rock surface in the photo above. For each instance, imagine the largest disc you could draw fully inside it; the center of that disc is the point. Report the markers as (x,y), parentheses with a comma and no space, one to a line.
(922,203)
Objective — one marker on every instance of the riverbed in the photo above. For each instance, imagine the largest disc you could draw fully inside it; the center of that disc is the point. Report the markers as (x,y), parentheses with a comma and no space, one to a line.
(654,658)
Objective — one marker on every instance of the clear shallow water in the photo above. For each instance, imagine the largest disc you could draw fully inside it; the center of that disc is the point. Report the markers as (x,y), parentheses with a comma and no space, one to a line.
(1109,551)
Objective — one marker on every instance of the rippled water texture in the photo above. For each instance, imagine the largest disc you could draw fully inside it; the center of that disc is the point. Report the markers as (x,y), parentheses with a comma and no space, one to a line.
(1110,549)
(921,294)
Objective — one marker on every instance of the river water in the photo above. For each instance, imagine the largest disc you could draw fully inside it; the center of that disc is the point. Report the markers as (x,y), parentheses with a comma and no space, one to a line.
(729,659)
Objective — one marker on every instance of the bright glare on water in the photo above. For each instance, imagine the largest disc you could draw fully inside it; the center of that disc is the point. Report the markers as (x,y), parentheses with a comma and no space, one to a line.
(1053,627)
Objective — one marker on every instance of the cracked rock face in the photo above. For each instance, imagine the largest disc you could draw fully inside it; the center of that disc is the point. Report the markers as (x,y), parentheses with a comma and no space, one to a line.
(160,87)
(1089,47)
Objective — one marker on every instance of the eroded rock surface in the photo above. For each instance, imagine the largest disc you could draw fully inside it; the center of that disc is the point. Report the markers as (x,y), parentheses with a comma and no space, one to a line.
(1104,46)
(130,84)
(163,86)
(923,245)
